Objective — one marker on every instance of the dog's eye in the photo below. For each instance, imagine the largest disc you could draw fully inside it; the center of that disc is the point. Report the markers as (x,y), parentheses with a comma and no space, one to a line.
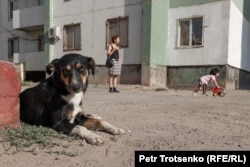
(82,70)
(66,71)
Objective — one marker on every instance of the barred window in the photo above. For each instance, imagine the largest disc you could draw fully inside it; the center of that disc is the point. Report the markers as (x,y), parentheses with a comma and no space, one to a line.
(190,32)
(72,37)
(117,26)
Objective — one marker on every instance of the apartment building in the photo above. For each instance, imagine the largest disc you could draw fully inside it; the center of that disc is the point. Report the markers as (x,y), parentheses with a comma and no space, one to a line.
(87,27)
(205,34)
(164,42)
(22,24)
(37,31)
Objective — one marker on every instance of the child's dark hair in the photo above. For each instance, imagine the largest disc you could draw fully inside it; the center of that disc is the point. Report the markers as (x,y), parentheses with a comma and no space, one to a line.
(114,38)
(214,71)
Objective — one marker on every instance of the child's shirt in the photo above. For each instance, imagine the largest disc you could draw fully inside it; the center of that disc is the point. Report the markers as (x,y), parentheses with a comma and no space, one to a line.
(207,79)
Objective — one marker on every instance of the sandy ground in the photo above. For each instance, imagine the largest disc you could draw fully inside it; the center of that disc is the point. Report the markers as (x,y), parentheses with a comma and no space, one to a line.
(154,120)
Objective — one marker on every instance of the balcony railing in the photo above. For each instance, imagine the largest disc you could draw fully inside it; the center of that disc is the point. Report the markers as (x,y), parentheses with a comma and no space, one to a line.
(33,61)
(28,18)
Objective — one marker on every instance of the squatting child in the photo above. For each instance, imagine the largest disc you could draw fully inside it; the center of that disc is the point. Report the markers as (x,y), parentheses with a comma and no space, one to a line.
(205,80)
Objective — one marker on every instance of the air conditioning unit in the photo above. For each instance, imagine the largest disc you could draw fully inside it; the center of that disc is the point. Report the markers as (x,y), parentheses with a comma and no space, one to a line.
(55,32)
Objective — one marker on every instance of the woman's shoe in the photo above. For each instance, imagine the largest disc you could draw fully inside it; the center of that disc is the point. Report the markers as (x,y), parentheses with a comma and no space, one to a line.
(115,90)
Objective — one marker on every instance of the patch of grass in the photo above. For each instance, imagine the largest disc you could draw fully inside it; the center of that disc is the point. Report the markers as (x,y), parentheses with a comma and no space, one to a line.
(27,138)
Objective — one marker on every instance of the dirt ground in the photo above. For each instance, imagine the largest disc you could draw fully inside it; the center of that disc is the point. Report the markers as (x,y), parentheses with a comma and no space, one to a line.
(154,120)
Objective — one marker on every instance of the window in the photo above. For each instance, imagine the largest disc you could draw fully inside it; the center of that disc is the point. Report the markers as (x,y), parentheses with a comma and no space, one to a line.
(13,47)
(117,26)
(190,32)
(40,43)
(72,37)
(10,9)
(40,2)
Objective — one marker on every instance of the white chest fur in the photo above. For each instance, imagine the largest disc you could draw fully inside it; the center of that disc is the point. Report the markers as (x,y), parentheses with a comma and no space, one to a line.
(75,100)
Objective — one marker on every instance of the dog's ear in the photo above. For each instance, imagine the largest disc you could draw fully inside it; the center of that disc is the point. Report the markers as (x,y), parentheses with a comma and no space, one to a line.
(52,66)
(91,64)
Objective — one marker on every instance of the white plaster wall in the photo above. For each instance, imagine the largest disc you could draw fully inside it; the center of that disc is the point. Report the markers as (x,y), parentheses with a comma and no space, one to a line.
(27,49)
(239,39)
(214,52)
(92,14)
(4,34)
(33,61)
(31,45)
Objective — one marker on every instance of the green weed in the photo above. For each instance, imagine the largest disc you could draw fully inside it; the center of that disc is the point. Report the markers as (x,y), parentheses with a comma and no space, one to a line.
(27,138)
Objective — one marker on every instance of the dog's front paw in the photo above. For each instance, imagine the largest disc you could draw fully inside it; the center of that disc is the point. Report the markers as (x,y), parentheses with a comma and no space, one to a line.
(111,129)
(118,131)
(90,137)
(95,139)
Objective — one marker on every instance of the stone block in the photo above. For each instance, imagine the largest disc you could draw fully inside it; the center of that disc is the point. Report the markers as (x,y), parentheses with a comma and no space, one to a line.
(9,95)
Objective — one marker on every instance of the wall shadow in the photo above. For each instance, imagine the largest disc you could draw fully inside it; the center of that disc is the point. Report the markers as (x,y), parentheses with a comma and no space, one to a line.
(244,75)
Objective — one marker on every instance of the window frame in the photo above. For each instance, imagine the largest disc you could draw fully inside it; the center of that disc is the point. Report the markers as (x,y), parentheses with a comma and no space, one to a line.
(190,19)
(11,48)
(118,31)
(40,43)
(65,37)
(10,9)
(40,2)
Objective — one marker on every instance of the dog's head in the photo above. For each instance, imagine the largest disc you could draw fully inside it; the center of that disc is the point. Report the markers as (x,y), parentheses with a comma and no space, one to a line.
(72,71)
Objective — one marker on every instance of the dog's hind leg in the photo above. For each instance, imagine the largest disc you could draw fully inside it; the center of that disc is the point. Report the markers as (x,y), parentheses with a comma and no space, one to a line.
(97,123)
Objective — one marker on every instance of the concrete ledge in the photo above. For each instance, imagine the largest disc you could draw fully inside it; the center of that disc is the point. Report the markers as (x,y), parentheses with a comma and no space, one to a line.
(186,77)
(130,74)
(154,75)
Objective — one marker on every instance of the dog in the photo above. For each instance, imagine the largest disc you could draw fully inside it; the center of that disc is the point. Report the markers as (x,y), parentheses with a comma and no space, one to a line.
(56,102)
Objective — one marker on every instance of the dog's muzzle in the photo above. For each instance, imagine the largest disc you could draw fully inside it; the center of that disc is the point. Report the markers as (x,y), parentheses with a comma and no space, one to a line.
(76,86)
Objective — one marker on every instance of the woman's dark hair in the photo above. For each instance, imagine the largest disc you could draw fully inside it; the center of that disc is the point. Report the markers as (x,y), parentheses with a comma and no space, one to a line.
(214,71)
(114,38)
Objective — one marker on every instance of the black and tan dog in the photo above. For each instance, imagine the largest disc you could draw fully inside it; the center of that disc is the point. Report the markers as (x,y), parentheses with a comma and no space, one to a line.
(57,101)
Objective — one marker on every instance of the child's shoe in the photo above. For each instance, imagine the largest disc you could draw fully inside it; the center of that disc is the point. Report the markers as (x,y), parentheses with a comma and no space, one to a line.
(194,93)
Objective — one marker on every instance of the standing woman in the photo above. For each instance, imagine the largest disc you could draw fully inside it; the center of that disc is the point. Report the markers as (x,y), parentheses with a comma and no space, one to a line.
(115,70)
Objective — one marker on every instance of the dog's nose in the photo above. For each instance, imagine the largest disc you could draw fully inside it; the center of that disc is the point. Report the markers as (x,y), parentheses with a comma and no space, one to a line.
(76,87)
